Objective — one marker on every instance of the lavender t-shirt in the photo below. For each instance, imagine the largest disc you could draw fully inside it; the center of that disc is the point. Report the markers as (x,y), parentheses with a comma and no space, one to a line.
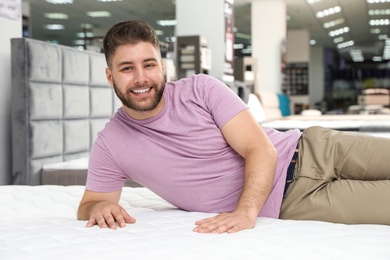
(180,154)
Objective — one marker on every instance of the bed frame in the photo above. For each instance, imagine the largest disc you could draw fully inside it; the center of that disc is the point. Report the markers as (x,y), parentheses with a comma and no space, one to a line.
(60,100)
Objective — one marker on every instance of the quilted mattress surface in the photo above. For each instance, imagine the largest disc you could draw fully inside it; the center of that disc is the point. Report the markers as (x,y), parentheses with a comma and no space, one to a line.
(39,222)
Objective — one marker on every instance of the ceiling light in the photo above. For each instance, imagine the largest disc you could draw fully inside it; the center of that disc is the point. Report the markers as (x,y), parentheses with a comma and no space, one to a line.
(82,34)
(356,55)
(375,31)
(327,12)
(345,44)
(312,42)
(386,51)
(312,2)
(339,31)
(79,42)
(60,16)
(55,27)
(247,50)
(159,32)
(379,22)
(377,1)
(99,14)
(338,40)
(333,23)
(243,36)
(166,22)
(377,58)
(60,2)
(379,12)
(383,37)
(238,46)
(86,26)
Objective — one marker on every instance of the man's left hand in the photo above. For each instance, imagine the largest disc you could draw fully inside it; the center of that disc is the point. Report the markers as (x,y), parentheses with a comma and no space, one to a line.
(225,222)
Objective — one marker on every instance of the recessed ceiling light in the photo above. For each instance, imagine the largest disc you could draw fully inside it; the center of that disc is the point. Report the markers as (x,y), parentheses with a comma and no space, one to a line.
(386,53)
(55,27)
(379,12)
(377,1)
(339,31)
(338,40)
(243,36)
(166,22)
(356,55)
(345,44)
(379,22)
(312,1)
(60,16)
(238,46)
(99,14)
(333,23)
(60,2)
(86,26)
(79,42)
(327,12)
(82,34)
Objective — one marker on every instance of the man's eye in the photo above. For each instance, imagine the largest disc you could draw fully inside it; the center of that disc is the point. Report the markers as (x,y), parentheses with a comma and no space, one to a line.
(126,68)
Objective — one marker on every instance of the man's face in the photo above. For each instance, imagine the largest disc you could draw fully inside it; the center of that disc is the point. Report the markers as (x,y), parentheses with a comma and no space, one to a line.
(137,76)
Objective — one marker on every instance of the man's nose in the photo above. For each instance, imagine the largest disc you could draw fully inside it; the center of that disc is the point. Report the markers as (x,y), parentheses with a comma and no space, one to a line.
(140,76)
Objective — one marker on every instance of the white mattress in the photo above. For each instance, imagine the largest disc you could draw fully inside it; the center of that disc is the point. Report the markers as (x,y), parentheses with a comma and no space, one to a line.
(75,164)
(40,223)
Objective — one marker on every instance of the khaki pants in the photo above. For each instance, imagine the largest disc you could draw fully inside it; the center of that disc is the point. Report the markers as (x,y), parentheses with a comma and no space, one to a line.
(341,177)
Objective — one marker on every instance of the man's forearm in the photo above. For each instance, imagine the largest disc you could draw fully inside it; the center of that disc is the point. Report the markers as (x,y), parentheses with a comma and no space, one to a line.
(259,176)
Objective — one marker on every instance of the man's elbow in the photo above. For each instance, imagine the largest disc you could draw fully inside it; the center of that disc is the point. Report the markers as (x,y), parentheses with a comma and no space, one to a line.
(272,154)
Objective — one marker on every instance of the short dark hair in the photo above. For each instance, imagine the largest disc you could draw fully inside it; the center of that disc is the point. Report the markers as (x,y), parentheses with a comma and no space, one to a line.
(128,32)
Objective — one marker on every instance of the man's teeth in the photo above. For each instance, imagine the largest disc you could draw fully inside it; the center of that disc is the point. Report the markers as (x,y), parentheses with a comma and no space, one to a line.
(140,91)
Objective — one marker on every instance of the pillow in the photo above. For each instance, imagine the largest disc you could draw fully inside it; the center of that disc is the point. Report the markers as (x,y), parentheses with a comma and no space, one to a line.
(256,108)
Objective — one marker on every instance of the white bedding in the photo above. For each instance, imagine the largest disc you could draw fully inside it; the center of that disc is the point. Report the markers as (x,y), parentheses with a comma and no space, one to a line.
(39,222)
(76,164)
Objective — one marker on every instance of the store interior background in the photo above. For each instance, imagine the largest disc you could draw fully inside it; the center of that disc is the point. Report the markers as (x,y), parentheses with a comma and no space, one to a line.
(325,76)
(335,69)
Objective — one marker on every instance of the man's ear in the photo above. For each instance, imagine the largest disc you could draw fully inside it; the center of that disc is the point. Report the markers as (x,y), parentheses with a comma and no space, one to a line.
(109,77)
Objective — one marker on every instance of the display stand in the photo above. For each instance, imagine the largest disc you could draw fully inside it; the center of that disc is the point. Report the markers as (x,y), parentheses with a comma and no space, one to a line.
(296,79)
(193,56)
(245,70)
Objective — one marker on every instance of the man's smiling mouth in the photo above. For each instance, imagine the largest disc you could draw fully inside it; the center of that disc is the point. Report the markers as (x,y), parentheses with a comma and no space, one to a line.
(140,91)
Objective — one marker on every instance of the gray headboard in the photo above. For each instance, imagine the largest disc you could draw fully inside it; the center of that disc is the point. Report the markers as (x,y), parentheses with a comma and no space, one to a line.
(60,100)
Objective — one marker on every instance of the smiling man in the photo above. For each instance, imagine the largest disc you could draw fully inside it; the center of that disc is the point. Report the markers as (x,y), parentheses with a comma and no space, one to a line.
(195,143)
(189,141)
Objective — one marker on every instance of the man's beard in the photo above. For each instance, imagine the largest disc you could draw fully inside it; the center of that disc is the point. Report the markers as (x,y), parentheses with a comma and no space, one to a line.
(129,103)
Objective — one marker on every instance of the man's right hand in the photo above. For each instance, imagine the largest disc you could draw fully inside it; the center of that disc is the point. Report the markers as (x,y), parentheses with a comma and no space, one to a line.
(108,215)
(102,209)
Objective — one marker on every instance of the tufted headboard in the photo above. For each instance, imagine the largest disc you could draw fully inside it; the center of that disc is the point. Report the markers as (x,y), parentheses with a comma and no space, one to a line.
(60,100)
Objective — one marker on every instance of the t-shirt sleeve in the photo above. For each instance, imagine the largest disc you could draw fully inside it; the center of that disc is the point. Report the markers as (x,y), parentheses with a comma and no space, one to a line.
(221,101)
(104,174)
